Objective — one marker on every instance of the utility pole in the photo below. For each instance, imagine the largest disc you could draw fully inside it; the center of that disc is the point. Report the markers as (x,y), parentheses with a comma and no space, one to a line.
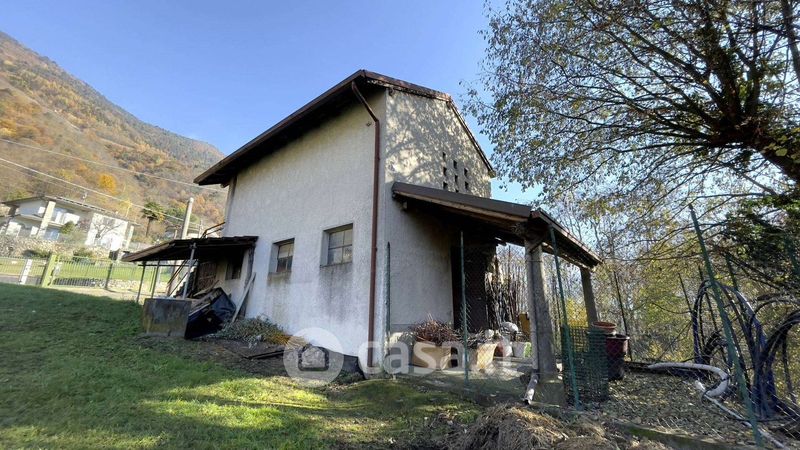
(187,218)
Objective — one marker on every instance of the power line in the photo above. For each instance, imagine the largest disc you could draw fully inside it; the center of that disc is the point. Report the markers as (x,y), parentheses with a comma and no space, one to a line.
(127,202)
(112,166)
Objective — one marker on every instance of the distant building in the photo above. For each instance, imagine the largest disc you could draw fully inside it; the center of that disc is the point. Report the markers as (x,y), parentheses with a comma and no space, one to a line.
(45,216)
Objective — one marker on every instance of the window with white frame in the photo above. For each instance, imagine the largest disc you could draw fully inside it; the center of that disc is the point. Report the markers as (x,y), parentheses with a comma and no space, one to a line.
(339,245)
(284,253)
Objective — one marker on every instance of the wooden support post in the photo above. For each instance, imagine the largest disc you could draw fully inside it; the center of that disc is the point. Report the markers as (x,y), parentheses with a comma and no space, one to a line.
(588,296)
(545,375)
(541,322)
(141,281)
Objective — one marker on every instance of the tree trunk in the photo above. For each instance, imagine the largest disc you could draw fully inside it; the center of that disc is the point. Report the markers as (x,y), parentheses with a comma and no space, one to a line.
(147,228)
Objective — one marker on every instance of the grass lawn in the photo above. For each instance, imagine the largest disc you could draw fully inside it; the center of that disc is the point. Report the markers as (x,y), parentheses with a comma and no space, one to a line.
(75,375)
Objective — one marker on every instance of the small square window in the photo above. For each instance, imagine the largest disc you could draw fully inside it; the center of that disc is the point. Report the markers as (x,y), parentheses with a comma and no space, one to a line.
(284,253)
(466,173)
(445,186)
(444,171)
(340,245)
(234,269)
(466,187)
(455,164)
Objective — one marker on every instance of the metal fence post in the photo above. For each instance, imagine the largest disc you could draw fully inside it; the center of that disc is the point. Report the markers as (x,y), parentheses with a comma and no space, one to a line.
(108,275)
(49,266)
(567,336)
(728,330)
(464,330)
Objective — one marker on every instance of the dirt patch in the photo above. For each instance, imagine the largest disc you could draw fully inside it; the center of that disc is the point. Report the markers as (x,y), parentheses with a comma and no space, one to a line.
(517,427)
(218,351)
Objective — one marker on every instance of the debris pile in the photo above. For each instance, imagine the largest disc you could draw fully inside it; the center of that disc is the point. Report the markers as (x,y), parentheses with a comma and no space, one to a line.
(516,427)
(253,331)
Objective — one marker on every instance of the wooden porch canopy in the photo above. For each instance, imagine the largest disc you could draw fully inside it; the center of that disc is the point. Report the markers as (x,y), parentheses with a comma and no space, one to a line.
(511,222)
(204,248)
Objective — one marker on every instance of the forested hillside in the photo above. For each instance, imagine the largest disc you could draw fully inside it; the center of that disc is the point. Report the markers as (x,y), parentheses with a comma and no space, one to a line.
(46,114)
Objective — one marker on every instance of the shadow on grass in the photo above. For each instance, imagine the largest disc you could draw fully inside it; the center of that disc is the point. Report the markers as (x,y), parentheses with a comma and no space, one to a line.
(74,375)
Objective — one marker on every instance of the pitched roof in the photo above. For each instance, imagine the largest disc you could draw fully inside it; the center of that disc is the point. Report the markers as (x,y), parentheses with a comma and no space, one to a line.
(507,219)
(314,113)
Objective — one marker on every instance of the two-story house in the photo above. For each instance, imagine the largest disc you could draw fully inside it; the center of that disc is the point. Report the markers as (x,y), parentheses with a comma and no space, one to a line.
(45,216)
(353,209)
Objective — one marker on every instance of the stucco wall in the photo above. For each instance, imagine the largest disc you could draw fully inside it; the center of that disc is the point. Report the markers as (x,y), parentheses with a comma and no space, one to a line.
(324,180)
(320,181)
(107,232)
(31,207)
(419,131)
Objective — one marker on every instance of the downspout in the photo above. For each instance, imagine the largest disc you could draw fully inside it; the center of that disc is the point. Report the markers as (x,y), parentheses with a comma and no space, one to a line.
(373,262)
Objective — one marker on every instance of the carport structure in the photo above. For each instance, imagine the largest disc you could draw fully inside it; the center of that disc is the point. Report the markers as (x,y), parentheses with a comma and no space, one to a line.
(520,225)
(194,260)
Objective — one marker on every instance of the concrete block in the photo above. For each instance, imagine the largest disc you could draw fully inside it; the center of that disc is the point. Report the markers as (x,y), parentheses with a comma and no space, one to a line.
(165,316)
(550,391)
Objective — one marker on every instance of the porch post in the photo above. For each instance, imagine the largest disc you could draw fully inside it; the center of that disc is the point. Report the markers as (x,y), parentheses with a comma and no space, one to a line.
(588,296)
(544,383)
(544,361)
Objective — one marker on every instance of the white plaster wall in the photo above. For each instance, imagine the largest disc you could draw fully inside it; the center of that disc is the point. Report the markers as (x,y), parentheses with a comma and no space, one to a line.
(112,231)
(419,130)
(320,181)
(31,207)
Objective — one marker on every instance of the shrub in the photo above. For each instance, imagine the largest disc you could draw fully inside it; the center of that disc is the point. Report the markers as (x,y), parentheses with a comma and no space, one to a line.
(252,331)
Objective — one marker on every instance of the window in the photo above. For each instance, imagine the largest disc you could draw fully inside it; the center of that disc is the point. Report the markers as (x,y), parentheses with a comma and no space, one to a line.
(234,269)
(466,173)
(444,171)
(340,245)
(455,164)
(284,252)
(444,186)
(444,157)
(466,187)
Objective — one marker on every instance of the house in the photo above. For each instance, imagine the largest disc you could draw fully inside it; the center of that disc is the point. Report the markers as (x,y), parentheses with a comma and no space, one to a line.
(351,214)
(45,216)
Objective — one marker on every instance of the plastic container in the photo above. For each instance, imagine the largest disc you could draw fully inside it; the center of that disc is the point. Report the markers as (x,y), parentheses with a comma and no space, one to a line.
(606,327)
(616,348)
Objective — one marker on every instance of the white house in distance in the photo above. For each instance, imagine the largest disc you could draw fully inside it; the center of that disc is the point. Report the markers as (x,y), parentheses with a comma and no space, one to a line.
(44,216)
(349,215)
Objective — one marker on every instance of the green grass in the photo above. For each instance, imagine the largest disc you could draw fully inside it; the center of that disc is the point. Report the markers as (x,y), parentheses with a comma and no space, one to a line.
(75,375)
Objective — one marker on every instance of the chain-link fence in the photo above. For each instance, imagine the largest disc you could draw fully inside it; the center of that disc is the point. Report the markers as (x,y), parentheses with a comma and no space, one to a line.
(706,362)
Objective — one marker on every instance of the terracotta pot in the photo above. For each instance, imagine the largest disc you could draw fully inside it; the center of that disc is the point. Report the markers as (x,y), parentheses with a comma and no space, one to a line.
(605,327)
(480,358)
(430,356)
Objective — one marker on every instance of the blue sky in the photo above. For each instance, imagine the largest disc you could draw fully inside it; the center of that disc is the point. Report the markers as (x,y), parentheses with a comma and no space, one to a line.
(225,72)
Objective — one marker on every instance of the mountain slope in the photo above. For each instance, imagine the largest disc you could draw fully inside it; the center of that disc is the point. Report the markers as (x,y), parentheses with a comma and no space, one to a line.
(43,106)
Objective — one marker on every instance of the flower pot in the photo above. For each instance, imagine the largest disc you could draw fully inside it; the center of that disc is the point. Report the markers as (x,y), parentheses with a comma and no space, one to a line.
(503,348)
(430,356)
(518,349)
(605,327)
(480,358)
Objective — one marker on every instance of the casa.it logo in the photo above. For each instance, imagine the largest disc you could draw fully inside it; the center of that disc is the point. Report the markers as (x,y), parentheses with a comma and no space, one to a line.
(313,364)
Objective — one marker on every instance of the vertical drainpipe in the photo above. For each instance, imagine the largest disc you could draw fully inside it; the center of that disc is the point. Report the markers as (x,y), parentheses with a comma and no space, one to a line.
(374,238)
